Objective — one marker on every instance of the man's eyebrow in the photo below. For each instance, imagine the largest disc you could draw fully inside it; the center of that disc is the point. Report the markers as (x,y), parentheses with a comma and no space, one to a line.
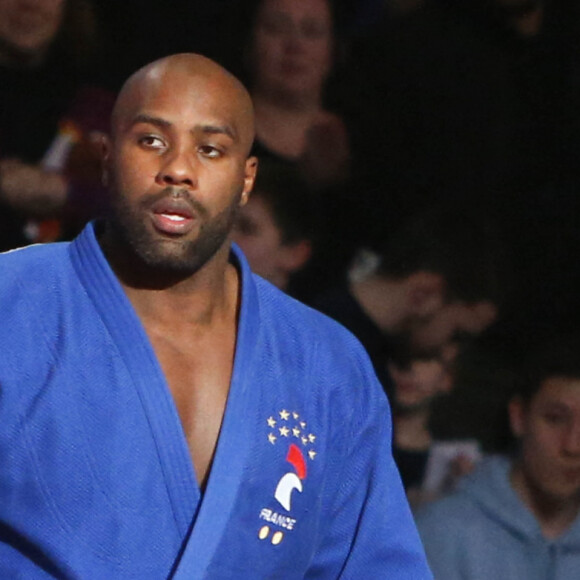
(150,120)
(218,130)
(207,129)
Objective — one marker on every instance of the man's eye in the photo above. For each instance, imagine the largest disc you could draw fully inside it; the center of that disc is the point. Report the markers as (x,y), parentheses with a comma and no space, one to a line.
(151,141)
(210,151)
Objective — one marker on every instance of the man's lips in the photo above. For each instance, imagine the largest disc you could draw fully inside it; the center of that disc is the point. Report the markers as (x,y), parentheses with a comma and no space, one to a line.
(173,216)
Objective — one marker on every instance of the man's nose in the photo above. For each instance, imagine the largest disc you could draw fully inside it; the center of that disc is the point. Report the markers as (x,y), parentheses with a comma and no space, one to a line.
(178,168)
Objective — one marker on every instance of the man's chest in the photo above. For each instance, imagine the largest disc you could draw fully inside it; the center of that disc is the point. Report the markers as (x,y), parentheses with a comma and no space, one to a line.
(198,375)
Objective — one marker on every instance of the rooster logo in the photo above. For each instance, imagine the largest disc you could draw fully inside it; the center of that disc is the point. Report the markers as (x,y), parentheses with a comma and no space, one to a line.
(287,428)
(291,481)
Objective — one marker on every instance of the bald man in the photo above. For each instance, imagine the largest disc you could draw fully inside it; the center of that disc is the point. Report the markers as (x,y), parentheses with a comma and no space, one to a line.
(165,412)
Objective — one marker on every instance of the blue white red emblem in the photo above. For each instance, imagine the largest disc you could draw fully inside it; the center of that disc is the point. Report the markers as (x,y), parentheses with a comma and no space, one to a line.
(287,428)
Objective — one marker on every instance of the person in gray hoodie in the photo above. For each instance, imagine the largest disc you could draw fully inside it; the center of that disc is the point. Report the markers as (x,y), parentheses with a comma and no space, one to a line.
(517,516)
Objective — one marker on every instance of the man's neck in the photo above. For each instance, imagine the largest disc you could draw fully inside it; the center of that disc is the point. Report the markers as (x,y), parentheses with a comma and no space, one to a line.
(553,516)
(174,300)
(188,304)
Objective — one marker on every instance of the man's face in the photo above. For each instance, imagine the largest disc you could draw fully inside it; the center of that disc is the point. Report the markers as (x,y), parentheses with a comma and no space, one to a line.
(179,171)
(548,428)
(29,26)
(451,321)
(293,46)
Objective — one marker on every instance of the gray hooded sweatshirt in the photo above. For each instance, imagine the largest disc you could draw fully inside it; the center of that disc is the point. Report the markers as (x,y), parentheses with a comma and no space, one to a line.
(484,531)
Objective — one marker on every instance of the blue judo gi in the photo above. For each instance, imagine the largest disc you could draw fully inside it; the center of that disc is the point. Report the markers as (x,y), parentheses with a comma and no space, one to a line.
(96,479)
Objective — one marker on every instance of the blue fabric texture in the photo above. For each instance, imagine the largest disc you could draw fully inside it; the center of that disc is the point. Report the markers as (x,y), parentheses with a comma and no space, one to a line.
(97,480)
(485,531)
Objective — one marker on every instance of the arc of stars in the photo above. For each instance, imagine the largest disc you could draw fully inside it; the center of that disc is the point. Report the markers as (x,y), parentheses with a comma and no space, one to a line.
(298,431)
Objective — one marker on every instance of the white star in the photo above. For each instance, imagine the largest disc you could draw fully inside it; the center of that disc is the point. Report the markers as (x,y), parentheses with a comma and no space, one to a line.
(303,424)
(272,438)
(305,440)
(312,454)
(284,431)
(312,438)
(271,422)
(296,432)
(284,415)
(295,415)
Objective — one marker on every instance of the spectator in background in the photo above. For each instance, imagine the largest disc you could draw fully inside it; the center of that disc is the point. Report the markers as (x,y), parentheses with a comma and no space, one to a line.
(438,278)
(291,63)
(47,116)
(289,55)
(275,228)
(517,516)
(429,468)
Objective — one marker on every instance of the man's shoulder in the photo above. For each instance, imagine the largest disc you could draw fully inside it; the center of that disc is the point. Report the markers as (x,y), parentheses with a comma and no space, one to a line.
(291,316)
(32,259)
(326,352)
(30,274)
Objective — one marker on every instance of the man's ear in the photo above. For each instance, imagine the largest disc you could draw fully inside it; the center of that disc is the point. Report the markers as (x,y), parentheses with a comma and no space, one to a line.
(294,256)
(425,292)
(517,415)
(251,170)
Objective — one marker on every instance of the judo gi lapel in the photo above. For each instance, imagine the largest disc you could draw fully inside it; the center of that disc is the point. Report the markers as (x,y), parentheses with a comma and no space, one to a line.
(134,346)
(200,523)
(231,454)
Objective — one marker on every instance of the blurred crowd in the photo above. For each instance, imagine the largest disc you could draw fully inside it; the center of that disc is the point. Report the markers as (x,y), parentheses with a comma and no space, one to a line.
(418,182)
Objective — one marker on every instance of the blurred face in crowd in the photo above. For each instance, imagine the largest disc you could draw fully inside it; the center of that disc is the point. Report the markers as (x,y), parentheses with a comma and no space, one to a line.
(178,162)
(262,241)
(419,381)
(256,232)
(548,428)
(28,27)
(450,321)
(292,47)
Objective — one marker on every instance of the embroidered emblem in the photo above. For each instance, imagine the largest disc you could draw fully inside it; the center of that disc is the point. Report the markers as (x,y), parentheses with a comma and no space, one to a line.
(287,428)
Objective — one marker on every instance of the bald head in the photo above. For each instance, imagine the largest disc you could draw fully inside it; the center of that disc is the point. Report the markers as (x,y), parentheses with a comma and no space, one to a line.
(177,167)
(201,78)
